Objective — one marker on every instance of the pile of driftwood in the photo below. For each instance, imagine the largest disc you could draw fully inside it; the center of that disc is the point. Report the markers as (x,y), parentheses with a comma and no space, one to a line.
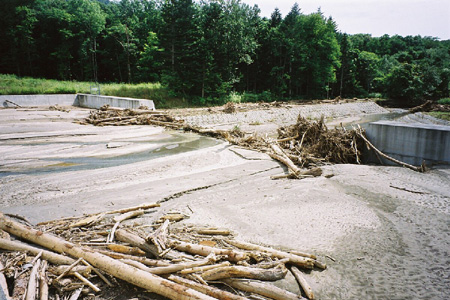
(306,144)
(310,143)
(92,256)
(121,117)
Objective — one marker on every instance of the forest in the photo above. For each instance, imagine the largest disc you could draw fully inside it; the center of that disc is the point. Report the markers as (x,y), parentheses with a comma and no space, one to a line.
(212,51)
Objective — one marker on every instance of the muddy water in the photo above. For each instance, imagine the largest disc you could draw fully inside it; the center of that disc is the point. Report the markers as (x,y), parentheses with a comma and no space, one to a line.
(170,143)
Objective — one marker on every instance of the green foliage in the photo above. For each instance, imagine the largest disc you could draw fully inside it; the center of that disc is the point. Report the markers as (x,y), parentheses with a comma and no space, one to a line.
(444,101)
(440,115)
(234,97)
(207,52)
(14,85)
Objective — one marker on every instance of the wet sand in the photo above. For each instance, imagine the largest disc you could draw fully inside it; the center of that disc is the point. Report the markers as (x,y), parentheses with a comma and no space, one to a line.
(387,228)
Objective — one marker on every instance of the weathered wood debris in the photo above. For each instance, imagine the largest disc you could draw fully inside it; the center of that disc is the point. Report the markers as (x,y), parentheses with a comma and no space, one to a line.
(102,256)
(302,147)
(112,116)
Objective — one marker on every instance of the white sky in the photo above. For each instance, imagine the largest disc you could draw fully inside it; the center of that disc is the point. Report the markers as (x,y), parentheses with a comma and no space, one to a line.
(377,17)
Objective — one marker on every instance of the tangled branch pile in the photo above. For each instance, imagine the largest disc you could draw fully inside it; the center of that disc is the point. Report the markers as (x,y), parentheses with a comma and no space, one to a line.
(306,144)
(104,255)
(120,117)
(309,143)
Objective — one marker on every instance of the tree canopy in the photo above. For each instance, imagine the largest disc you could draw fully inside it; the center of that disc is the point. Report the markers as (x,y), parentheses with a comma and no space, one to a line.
(205,50)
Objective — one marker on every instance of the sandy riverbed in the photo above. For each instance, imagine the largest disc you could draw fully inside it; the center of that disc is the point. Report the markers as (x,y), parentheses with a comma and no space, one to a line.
(387,228)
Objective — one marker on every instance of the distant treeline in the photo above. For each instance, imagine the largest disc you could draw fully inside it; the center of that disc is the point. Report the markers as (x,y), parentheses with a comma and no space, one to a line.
(209,51)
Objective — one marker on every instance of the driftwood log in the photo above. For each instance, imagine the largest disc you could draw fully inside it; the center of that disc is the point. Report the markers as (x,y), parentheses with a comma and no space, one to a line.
(273,274)
(111,266)
(208,290)
(303,283)
(370,145)
(263,289)
(52,257)
(304,262)
(232,255)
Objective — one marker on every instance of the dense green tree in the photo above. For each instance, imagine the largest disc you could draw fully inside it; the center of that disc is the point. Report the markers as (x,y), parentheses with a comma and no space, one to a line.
(323,53)
(205,50)
(149,64)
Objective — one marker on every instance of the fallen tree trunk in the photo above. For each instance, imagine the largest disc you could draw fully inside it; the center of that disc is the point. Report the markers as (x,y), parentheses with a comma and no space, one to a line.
(33,282)
(205,289)
(245,272)
(111,266)
(403,164)
(121,218)
(303,283)
(303,262)
(263,289)
(282,157)
(52,257)
(142,260)
(204,268)
(175,267)
(423,107)
(231,255)
(135,240)
(43,282)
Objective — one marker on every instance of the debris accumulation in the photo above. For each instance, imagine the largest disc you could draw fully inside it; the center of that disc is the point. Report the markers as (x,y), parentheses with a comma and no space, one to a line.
(95,256)
(430,106)
(120,117)
(306,144)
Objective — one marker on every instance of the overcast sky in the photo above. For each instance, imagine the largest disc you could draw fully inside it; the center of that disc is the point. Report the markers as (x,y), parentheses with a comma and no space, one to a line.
(377,17)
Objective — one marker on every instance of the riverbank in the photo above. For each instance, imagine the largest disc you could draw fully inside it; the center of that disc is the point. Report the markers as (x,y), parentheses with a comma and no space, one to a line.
(383,231)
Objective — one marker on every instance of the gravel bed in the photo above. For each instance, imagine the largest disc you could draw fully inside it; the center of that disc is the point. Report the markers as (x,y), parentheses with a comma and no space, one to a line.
(286,115)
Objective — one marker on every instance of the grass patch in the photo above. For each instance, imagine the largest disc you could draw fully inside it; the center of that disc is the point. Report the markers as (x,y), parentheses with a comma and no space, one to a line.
(14,85)
(444,101)
(440,115)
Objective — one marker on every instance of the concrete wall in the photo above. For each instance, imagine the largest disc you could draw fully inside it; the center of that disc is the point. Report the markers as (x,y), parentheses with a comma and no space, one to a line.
(95,101)
(83,100)
(37,100)
(411,143)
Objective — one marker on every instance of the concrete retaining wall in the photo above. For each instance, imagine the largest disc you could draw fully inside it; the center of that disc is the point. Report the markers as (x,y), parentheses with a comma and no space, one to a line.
(37,100)
(411,143)
(95,101)
(83,100)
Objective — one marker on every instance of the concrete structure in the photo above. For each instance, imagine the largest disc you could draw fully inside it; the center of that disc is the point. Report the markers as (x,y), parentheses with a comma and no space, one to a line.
(82,100)
(411,143)
(95,101)
(37,100)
